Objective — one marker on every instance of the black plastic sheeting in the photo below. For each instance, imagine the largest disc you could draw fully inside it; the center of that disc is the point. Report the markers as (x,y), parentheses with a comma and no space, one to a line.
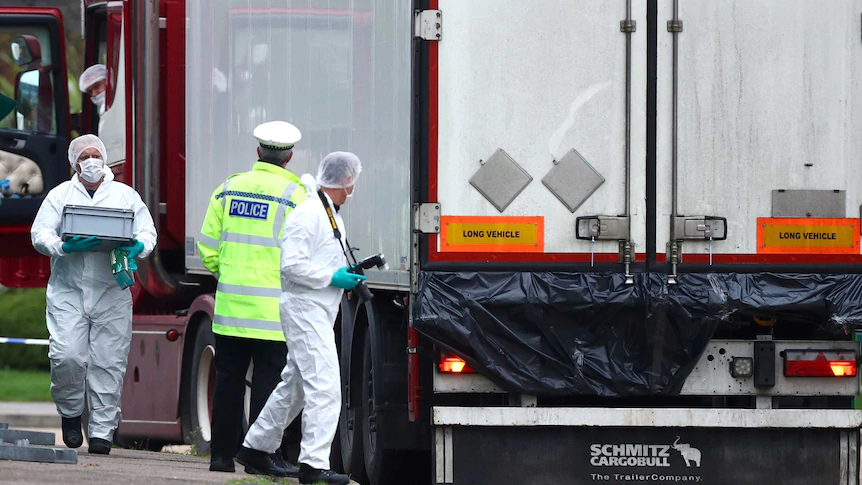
(592,334)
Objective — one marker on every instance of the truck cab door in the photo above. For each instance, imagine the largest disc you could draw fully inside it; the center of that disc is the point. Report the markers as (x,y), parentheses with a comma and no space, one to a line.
(34,135)
(105,44)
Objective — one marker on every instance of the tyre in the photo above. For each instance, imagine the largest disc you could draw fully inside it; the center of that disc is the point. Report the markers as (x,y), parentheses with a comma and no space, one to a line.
(199,379)
(350,427)
(246,398)
(384,467)
(334,452)
(291,441)
(292,435)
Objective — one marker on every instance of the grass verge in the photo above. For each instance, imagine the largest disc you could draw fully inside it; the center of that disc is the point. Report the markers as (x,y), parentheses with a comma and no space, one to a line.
(262,480)
(22,315)
(25,386)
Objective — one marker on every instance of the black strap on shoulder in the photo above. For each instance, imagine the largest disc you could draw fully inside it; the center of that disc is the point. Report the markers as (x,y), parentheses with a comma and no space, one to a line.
(329,213)
(335,230)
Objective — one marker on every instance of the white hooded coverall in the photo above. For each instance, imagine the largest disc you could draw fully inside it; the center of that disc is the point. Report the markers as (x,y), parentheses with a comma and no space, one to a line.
(90,76)
(89,316)
(311,380)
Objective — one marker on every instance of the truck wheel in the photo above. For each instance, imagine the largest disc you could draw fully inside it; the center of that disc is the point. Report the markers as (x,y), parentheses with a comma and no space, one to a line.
(335,462)
(246,399)
(290,440)
(198,392)
(350,427)
(383,467)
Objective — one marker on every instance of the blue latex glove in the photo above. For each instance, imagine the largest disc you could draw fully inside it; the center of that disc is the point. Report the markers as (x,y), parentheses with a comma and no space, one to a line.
(133,251)
(344,280)
(78,244)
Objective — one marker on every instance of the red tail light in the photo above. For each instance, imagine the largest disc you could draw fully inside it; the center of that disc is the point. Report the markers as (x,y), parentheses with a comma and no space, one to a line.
(454,365)
(820,363)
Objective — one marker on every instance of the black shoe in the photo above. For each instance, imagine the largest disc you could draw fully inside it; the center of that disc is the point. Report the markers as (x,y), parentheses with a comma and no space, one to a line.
(260,463)
(280,463)
(308,474)
(278,459)
(72,435)
(99,446)
(221,465)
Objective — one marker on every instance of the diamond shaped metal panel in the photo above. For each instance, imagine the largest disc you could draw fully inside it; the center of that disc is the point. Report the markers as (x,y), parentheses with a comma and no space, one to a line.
(573,180)
(500,179)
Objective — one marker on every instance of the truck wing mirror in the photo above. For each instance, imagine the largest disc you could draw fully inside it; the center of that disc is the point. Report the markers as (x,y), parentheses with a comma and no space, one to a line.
(26,50)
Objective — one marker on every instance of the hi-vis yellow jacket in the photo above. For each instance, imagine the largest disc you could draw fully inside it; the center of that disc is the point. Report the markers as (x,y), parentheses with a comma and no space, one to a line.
(240,243)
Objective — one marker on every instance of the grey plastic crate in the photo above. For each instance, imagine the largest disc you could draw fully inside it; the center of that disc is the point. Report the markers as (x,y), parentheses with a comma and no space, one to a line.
(112,226)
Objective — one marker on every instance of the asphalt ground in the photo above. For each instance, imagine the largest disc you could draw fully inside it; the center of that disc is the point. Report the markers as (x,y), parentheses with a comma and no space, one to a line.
(127,467)
(173,465)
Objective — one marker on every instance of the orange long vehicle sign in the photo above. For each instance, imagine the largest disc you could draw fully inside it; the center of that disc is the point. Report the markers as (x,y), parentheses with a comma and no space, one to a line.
(492,234)
(779,235)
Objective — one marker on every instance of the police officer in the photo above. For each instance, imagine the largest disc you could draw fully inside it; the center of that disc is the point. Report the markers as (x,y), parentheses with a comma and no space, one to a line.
(240,244)
(314,275)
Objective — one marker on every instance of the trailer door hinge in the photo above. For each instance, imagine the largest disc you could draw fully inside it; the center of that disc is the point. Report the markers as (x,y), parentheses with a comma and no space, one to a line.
(700,228)
(428,24)
(427,218)
(602,228)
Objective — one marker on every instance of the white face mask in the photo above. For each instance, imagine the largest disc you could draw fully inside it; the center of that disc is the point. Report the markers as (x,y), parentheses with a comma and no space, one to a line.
(350,194)
(99,100)
(91,170)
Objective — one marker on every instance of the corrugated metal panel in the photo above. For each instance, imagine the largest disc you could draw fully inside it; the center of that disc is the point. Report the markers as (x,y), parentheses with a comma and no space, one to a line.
(341,73)
(768,99)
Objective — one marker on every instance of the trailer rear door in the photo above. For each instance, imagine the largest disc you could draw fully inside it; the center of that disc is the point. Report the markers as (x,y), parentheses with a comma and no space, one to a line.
(528,133)
(767,116)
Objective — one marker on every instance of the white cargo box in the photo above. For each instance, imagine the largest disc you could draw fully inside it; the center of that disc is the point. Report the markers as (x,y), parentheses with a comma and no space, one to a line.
(112,226)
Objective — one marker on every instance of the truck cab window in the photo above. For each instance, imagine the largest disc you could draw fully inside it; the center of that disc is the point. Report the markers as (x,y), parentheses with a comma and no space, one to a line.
(96,53)
(34,129)
(26,77)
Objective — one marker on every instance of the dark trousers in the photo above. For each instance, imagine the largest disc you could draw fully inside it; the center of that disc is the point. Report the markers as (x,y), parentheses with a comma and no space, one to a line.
(232,357)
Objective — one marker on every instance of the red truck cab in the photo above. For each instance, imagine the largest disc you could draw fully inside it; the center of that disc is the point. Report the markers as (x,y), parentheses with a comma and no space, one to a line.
(167,395)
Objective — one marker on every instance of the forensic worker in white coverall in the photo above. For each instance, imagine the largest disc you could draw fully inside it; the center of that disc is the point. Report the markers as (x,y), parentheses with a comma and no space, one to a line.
(89,315)
(94,83)
(314,275)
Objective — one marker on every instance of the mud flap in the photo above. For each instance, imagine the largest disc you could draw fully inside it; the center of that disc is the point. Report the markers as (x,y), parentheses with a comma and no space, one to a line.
(478,455)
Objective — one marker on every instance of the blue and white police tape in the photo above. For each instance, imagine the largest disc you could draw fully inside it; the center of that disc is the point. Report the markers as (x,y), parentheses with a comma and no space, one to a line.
(23,341)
